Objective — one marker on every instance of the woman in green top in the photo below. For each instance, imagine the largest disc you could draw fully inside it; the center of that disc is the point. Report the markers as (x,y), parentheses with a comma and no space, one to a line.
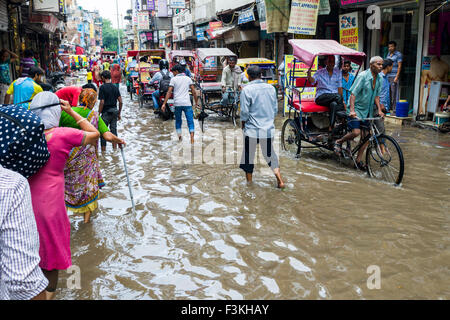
(82,171)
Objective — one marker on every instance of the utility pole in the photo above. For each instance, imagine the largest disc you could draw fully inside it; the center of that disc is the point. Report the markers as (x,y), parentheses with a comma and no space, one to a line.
(118,28)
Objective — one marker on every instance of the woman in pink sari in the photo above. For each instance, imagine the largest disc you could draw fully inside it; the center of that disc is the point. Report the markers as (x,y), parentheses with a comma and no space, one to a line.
(47,185)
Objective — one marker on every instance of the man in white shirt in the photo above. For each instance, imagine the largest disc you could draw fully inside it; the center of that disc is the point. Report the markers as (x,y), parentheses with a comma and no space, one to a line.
(20,275)
(179,86)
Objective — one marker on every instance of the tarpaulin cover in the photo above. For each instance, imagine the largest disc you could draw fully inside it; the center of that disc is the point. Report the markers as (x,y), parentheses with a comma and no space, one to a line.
(307,50)
(203,53)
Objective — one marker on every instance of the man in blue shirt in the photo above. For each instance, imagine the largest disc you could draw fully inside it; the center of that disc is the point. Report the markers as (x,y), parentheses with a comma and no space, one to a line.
(329,91)
(347,80)
(394,75)
(259,106)
(385,94)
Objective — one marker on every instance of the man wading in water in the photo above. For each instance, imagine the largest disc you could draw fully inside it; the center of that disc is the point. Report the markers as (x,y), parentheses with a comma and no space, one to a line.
(365,92)
(259,106)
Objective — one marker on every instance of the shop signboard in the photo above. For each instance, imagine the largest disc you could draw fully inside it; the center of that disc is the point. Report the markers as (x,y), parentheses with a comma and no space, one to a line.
(150,5)
(324,7)
(177,4)
(53,6)
(261,7)
(350,33)
(301,70)
(246,16)
(162,8)
(365,3)
(143,20)
(348,30)
(200,32)
(303,19)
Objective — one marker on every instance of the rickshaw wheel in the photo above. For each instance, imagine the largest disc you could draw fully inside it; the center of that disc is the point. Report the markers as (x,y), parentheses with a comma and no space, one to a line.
(290,138)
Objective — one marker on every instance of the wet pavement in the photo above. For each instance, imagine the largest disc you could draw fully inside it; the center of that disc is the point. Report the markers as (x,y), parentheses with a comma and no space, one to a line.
(199,232)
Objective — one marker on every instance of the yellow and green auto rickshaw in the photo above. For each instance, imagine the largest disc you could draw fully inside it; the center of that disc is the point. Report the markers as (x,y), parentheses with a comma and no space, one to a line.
(268,67)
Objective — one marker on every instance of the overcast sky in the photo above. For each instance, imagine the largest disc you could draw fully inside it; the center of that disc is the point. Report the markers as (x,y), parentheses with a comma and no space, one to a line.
(107,9)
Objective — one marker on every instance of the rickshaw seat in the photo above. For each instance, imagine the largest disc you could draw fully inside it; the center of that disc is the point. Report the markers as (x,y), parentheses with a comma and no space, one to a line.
(310,106)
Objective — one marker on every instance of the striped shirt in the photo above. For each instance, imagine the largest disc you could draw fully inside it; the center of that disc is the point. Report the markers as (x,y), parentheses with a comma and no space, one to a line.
(20,275)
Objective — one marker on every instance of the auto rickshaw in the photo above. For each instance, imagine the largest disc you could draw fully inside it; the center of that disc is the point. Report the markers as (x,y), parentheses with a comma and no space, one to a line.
(148,65)
(176,56)
(268,67)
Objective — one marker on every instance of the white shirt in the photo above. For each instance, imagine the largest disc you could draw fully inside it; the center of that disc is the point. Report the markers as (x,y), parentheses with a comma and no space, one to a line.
(181,84)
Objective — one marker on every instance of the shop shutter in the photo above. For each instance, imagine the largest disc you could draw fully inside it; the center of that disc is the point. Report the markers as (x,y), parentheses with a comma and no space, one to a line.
(3,16)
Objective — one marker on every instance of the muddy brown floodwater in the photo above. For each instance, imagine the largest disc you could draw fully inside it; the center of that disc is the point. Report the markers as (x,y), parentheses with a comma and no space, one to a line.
(199,232)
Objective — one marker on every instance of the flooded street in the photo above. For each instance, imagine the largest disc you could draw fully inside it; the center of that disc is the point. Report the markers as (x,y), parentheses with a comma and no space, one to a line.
(199,232)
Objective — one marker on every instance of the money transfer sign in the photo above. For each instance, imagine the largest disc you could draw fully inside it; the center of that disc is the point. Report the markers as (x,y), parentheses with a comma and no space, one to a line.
(303,19)
(301,70)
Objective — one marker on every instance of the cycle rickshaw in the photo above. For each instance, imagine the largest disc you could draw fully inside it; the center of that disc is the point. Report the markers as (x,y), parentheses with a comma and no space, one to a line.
(308,123)
(207,73)
(148,65)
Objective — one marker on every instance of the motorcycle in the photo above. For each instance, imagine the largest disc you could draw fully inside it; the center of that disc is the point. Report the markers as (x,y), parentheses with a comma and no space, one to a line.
(57,80)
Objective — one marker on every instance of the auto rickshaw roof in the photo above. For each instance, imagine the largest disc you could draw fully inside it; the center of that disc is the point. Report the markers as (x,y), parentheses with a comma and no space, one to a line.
(204,53)
(307,50)
(246,61)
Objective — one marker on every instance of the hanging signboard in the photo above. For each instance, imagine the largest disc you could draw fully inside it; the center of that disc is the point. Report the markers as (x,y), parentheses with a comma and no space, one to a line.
(301,70)
(246,16)
(200,32)
(177,4)
(303,19)
(143,20)
(261,7)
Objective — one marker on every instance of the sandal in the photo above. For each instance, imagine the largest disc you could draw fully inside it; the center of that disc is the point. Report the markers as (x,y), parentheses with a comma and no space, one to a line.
(361,166)
(420,117)
(337,148)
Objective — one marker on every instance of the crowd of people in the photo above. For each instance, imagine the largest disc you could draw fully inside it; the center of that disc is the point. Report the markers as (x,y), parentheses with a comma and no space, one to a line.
(34,210)
(35,227)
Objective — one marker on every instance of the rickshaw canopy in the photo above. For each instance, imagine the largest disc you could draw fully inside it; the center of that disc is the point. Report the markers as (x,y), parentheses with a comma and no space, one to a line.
(181,53)
(307,50)
(204,53)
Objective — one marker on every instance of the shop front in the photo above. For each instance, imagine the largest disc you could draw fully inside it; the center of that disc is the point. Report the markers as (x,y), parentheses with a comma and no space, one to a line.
(402,22)
(435,73)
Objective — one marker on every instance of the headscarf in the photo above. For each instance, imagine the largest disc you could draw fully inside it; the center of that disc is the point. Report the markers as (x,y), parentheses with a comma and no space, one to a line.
(49,116)
(87,98)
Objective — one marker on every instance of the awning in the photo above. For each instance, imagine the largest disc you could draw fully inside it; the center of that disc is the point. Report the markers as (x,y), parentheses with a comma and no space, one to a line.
(218,32)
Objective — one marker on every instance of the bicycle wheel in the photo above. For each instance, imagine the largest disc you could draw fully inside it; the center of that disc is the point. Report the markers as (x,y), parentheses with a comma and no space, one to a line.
(290,138)
(233,115)
(384,159)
